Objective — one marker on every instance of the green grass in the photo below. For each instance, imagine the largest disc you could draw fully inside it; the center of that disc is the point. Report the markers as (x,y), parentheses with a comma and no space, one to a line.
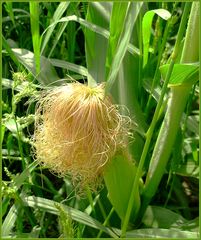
(147,53)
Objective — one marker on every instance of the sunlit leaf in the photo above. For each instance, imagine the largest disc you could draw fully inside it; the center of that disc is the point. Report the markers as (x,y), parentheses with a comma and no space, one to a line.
(119,177)
(183,74)
(146,29)
(47,73)
(49,206)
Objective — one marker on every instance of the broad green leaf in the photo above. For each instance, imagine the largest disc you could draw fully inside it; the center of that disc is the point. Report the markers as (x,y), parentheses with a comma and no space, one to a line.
(117,21)
(99,14)
(146,29)
(123,42)
(26,58)
(159,217)
(83,22)
(182,74)
(165,141)
(125,87)
(162,233)
(119,176)
(50,207)
(102,31)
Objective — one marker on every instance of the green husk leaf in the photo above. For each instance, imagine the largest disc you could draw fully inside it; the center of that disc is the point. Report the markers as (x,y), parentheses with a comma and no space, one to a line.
(119,176)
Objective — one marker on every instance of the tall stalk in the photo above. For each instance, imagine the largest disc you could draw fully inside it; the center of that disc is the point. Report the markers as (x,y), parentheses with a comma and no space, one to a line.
(154,121)
(177,102)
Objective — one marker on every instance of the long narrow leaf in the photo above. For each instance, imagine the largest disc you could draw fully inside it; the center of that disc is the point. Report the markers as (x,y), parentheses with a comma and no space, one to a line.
(132,49)
(123,43)
(117,21)
(10,220)
(95,57)
(49,206)
(62,7)
(70,66)
(26,58)
(146,29)
(161,233)
(35,30)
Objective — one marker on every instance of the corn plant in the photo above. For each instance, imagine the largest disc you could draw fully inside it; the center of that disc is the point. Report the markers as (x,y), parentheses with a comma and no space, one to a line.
(100,119)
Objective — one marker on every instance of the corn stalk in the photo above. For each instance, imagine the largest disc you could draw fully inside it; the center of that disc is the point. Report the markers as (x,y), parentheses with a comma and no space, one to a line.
(178,98)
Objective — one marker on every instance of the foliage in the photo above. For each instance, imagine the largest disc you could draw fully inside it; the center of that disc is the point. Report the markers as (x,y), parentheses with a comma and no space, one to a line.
(142,51)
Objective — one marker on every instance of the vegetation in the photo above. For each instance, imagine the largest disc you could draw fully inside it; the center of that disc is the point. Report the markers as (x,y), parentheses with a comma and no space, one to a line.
(105,95)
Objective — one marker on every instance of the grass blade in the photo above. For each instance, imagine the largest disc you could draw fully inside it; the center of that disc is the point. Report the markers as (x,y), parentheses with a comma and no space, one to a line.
(10,220)
(146,29)
(70,66)
(102,31)
(26,58)
(161,233)
(35,30)
(9,51)
(49,206)
(62,7)
(123,43)
(95,57)
(117,21)
(9,9)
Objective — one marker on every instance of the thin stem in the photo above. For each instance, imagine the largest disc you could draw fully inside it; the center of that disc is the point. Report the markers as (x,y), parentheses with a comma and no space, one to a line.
(90,198)
(101,208)
(106,221)
(18,132)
